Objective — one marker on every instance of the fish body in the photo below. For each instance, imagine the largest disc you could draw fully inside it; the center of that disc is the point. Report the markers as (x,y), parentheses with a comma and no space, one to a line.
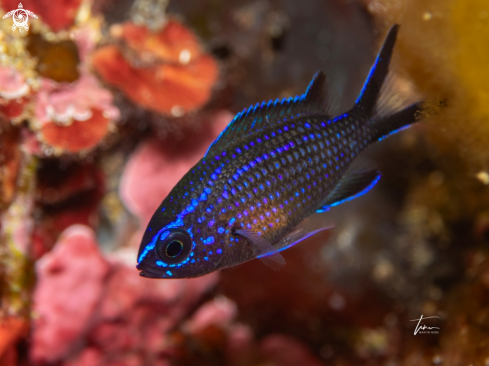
(273,166)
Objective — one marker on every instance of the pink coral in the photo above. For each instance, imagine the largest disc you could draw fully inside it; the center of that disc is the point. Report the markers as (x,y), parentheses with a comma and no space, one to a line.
(239,345)
(90,356)
(218,312)
(83,297)
(286,351)
(74,117)
(14,92)
(85,38)
(136,313)
(70,285)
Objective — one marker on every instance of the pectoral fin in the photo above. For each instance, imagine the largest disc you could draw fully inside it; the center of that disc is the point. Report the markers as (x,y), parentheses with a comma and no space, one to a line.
(352,185)
(263,249)
(304,230)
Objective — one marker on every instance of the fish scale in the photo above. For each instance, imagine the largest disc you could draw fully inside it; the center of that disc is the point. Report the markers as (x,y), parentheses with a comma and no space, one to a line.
(274,165)
(301,167)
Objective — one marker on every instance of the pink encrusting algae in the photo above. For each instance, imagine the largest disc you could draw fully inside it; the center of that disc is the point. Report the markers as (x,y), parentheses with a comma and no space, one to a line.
(84,296)
(67,294)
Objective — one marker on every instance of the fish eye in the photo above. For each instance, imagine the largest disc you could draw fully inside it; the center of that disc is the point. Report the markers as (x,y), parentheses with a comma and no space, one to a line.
(174,246)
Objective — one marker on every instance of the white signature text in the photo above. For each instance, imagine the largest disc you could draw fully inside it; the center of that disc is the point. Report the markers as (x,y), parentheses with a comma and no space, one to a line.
(423,329)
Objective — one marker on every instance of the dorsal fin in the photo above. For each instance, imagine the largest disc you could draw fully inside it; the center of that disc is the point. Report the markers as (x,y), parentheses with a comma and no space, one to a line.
(370,92)
(255,118)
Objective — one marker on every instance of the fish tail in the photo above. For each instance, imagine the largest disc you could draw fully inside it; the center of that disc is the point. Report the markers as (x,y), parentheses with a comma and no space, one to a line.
(388,125)
(369,95)
(385,110)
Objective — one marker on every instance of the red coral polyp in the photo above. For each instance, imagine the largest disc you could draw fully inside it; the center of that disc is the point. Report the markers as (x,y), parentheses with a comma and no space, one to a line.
(173,44)
(14,93)
(79,135)
(177,77)
(73,117)
(11,109)
(166,88)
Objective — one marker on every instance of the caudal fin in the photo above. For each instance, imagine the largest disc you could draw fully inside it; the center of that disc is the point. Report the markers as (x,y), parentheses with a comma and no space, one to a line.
(389,125)
(386,110)
(369,95)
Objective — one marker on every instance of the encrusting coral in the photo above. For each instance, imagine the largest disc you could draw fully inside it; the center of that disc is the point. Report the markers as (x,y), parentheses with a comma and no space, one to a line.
(83,296)
(75,117)
(14,93)
(166,71)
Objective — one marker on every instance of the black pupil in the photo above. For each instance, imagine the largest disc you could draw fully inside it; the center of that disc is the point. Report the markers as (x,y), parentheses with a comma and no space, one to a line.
(174,248)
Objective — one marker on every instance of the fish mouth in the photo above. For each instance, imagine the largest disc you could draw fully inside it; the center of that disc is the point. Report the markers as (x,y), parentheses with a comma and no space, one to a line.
(147,273)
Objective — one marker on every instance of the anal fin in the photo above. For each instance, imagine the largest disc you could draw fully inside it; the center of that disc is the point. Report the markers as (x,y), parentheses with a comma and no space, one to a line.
(304,230)
(353,184)
(275,261)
